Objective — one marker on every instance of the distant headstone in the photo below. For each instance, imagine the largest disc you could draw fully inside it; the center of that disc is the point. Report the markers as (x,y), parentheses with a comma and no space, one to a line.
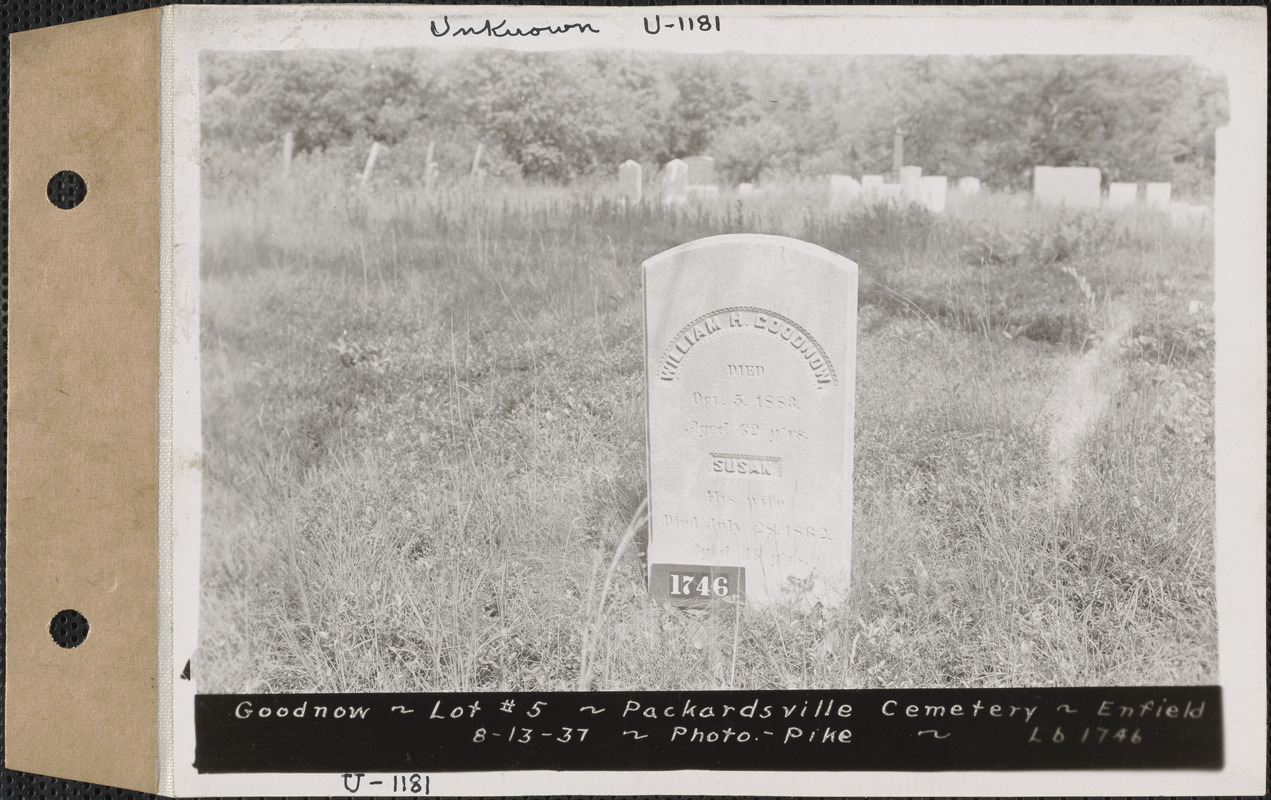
(1157,196)
(911,184)
(871,182)
(844,190)
(475,172)
(701,170)
(745,189)
(751,362)
(969,186)
(934,190)
(1071,187)
(430,175)
(1122,195)
(631,181)
(675,183)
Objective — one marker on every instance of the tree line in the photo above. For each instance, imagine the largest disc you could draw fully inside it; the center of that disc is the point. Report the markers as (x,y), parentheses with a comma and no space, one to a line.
(558,116)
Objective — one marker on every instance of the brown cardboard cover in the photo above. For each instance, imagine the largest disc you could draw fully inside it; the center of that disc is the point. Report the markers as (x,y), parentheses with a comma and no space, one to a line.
(82,522)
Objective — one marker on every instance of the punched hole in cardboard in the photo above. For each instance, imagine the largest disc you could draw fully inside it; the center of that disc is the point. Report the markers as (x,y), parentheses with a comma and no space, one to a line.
(67,189)
(69,628)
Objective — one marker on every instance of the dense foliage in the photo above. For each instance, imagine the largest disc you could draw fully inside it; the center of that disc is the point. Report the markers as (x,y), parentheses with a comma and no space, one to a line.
(558,116)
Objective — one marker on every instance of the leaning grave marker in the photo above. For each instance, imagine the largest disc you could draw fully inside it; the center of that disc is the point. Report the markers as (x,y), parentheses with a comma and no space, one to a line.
(750,345)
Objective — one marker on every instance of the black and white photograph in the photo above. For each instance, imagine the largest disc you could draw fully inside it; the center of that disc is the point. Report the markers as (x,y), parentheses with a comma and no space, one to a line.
(472,416)
(424,404)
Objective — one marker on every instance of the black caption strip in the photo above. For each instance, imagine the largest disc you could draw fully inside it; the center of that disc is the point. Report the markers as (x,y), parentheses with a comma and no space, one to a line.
(877,729)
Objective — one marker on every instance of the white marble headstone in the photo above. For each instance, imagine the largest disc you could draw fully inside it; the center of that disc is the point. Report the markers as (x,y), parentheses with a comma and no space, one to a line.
(675,182)
(1157,196)
(1072,187)
(934,190)
(1122,195)
(911,184)
(969,186)
(751,360)
(631,181)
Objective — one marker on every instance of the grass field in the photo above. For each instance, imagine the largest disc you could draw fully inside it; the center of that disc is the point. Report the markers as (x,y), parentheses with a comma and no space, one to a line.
(416,475)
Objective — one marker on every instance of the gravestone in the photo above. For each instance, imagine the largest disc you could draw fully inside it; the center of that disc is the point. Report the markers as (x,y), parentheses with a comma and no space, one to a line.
(844,190)
(1157,196)
(968,186)
(934,190)
(871,182)
(701,170)
(675,183)
(745,189)
(1070,187)
(750,370)
(911,184)
(631,181)
(1122,195)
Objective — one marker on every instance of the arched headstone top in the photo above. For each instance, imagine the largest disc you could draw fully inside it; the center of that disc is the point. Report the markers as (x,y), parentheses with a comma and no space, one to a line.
(751,363)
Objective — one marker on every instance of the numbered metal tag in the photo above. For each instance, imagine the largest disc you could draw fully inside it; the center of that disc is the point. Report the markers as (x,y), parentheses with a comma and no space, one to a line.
(696,585)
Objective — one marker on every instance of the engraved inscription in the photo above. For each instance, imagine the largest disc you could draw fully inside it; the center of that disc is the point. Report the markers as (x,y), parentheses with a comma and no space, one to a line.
(780,402)
(733,465)
(749,418)
(698,430)
(751,501)
(759,320)
(746,430)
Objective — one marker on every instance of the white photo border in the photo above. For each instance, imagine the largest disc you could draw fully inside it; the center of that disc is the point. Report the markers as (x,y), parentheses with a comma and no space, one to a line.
(1232,40)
